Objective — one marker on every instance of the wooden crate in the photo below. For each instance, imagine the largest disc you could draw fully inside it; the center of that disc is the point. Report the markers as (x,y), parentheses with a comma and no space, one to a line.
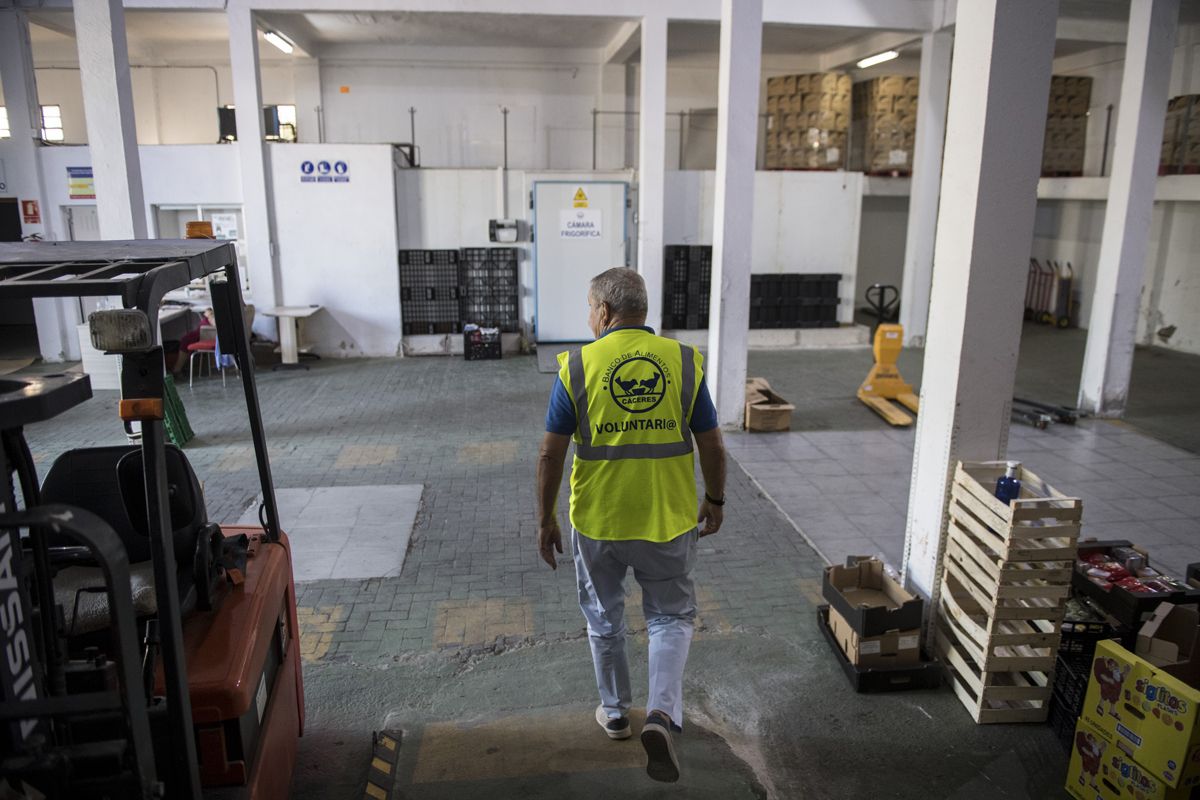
(1019,696)
(1006,574)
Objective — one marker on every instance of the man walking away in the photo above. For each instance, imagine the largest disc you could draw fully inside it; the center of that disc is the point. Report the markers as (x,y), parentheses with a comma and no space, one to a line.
(634,403)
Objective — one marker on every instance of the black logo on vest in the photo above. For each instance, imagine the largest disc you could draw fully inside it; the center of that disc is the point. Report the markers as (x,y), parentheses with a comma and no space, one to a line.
(637,384)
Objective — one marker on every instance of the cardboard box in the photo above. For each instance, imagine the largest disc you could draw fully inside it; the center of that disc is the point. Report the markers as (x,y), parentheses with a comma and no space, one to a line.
(765,410)
(868,600)
(891,649)
(1147,712)
(1100,770)
(1168,639)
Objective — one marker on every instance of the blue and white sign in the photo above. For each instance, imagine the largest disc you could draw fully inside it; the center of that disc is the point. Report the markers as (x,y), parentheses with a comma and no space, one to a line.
(324,172)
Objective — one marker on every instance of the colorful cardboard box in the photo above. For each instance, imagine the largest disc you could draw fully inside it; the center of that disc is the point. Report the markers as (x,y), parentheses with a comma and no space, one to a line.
(1147,712)
(1101,770)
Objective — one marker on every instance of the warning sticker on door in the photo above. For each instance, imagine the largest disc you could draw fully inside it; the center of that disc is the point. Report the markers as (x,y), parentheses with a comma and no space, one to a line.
(581,199)
(580,223)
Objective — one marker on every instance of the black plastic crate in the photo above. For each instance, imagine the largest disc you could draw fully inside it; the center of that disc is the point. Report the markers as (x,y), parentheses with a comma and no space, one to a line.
(700,253)
(675,304)
(480,346)
(428,328)
(700,271)
(1062,722)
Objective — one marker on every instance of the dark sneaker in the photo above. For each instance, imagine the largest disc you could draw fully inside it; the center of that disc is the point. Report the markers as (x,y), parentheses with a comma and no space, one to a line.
(615,728)
(661,763)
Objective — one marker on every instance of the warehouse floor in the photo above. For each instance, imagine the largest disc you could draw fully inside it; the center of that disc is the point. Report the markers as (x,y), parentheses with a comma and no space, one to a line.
(477,650)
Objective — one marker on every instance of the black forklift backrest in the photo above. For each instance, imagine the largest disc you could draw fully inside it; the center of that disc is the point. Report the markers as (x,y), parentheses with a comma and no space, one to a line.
(108,481)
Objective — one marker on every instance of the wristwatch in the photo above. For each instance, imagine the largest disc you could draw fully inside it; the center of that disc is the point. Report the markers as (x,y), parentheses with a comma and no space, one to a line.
(712,501)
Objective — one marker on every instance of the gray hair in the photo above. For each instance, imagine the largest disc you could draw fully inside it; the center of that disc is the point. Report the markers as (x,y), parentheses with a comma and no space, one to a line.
(623,289)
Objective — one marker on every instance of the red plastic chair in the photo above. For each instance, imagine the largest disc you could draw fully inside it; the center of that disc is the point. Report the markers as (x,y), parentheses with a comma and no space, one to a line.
(206,346)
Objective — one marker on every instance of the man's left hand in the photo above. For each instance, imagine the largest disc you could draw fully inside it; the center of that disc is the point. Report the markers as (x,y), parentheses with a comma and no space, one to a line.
(549,540)
(712,517)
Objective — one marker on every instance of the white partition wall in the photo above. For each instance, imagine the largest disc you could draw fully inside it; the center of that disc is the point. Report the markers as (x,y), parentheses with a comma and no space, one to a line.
(335,212)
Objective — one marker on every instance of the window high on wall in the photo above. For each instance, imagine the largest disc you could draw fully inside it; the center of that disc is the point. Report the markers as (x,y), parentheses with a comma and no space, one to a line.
(52,126)
(5,132)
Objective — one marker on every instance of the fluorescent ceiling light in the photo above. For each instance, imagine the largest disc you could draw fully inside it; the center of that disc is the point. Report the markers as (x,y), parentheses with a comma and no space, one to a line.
(870,61)
(286,46)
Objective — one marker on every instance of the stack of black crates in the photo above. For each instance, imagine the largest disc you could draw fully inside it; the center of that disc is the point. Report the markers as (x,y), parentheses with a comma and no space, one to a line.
(441,290)
(794,301)
(487,280)
(1073,668)
(687,277)
(429,291)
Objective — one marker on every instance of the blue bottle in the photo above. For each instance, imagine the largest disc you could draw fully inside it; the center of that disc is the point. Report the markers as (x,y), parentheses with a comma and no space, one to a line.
(1008,485)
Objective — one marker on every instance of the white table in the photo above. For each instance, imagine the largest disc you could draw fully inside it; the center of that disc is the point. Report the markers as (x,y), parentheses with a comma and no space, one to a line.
(289,334)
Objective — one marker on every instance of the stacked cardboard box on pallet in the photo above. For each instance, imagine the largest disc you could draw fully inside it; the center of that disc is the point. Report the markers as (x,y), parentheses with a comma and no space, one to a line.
(809,116)
(1066,126)
(1007,575)
(1181,136)
(884,125)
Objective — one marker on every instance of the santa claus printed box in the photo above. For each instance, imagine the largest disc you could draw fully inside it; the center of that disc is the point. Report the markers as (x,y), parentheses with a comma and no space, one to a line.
(1146,712)
(1102,771)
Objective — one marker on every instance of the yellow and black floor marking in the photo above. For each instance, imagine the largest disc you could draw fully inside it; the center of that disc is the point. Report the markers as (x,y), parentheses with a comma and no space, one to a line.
(381,775)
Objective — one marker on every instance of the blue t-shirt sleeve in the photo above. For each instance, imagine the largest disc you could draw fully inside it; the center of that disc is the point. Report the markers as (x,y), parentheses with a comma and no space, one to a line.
(560,416)
(704,413)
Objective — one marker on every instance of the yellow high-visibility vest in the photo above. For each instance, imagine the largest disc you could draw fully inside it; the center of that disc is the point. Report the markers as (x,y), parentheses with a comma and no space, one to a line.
(633,476)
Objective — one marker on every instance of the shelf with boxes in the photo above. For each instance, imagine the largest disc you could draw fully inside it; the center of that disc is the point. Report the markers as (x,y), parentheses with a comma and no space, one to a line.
(1006,577)
(1181,137)
(808,117)
(883,125)
(1066,126)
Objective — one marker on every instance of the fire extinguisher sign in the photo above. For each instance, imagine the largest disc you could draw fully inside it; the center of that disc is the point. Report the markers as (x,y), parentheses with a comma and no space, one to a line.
(29,210)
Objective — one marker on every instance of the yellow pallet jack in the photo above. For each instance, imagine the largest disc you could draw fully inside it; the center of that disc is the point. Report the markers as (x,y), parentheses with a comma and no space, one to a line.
(884,382)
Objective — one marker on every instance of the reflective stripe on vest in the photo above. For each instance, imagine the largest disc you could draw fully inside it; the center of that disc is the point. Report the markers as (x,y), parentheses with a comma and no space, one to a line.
(585,450)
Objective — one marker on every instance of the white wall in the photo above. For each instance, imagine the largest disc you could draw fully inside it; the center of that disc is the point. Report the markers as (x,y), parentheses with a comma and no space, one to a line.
(1070,231)
(881,243)
(804,222)
(171,104)
(337,248)
(171,174)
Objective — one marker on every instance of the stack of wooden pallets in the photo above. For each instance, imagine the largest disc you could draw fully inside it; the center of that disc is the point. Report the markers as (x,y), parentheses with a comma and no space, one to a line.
(1006,576)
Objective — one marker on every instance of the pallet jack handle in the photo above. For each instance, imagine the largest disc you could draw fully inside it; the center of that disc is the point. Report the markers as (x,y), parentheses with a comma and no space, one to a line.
(883,305)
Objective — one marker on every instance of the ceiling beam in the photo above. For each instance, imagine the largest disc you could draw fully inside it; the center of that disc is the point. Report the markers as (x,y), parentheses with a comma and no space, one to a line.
(869,45)
(626,44)
(1104,31)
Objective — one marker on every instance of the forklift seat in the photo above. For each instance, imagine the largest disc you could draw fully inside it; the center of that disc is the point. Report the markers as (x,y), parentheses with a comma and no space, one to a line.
(108,481)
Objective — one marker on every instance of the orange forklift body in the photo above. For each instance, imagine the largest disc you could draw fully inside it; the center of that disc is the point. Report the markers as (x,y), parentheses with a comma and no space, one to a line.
(244,675)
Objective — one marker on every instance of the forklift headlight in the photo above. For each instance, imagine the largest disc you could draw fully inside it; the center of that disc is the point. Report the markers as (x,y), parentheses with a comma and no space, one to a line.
(121,330)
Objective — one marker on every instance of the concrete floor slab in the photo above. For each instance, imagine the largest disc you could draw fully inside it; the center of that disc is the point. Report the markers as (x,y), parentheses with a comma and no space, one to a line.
(345,531)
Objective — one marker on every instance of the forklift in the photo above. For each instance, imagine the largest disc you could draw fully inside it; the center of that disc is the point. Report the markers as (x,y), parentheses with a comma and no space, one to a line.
(151,653)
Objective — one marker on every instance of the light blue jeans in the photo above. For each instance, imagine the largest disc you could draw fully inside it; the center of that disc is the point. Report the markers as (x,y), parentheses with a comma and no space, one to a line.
(663,570)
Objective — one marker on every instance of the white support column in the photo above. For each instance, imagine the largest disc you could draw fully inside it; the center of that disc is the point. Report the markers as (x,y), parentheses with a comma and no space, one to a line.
(22,175)
(652,163)
(1112,328)
(926,185)
(737,143)
(108,107)
(257,192)
(997,117)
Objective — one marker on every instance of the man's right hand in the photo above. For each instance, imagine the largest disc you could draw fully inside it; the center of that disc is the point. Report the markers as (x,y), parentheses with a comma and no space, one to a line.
(549,540)
(712,517)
